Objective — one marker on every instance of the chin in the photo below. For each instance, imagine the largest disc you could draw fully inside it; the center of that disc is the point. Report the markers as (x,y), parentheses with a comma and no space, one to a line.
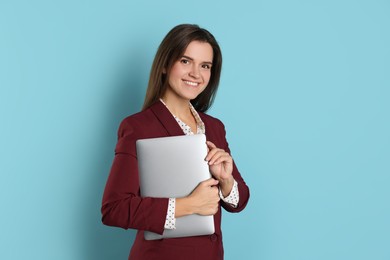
(189,96)
(192,97)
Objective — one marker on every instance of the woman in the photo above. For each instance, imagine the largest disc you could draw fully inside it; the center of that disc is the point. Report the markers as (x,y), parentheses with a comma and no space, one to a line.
(183,82)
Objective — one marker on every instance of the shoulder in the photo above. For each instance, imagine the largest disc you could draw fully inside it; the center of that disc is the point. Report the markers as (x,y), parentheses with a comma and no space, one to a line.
(151,122)
(136,122)
(141,117)
(131,129)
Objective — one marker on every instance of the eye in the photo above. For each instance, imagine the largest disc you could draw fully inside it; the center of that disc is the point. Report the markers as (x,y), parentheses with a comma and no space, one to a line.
(184,61)
(206,66)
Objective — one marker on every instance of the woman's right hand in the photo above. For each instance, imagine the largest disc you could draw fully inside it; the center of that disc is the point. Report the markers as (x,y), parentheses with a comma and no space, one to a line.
(203,200)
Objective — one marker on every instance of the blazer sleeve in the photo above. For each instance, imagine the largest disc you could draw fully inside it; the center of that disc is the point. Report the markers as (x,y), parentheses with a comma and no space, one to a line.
(243,189)
(122,205)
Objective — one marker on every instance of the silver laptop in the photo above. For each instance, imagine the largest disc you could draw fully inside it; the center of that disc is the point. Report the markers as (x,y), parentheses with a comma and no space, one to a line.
(171,167)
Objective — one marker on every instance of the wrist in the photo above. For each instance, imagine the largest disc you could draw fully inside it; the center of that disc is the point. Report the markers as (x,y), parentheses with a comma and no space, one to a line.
(229,181)
(183,207)
(226,186)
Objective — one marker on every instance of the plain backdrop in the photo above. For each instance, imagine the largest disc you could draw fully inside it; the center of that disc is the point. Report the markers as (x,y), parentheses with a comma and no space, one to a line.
(304,96)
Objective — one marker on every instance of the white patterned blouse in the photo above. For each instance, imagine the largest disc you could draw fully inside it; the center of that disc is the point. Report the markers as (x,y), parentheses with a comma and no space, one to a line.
(232,199)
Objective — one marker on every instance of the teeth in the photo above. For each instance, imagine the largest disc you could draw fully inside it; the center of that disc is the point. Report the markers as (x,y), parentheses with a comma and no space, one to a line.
(191,83)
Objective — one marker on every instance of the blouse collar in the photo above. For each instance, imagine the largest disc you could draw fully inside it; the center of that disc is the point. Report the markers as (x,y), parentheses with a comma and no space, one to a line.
(186,129)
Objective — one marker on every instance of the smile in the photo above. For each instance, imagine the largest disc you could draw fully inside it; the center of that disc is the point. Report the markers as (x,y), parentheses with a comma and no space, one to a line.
(194,84)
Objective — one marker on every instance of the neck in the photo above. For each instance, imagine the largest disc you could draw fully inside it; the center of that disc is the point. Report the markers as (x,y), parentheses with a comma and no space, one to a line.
(179,108)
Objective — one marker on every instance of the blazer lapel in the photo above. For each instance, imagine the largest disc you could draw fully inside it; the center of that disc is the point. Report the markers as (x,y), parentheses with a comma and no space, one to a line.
(166,119)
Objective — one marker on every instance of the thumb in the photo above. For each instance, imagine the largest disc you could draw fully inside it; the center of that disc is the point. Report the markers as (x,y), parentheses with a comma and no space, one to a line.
(211,182)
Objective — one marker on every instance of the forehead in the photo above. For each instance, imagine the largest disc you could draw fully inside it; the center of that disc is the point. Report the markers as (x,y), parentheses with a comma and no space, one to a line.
(200,51)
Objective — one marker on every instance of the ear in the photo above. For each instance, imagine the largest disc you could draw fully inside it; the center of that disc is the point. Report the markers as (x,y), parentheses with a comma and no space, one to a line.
(164,71)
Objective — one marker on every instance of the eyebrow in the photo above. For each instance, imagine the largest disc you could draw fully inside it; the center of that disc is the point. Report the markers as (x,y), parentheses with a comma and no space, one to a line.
(189,58)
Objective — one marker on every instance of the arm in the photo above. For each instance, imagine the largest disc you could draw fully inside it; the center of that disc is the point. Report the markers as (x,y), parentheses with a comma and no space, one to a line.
(225,170)
(122,205)
(203,200)
(243,191)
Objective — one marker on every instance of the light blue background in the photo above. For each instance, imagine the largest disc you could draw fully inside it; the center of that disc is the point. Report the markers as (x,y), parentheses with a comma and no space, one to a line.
(304,96)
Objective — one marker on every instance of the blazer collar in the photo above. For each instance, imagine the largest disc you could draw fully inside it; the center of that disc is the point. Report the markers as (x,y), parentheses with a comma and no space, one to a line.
(166,119)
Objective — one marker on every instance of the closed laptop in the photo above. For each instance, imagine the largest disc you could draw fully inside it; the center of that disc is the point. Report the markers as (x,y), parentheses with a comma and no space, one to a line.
(172,167)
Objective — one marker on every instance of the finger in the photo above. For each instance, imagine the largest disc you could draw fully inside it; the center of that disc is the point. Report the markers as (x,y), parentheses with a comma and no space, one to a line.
(219,156)
(226,158)
(212,153)
(211,145)
(215,156)
(210,182)
(215,190)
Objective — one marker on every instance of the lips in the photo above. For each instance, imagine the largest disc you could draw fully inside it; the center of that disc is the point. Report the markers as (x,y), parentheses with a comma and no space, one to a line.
(191,83)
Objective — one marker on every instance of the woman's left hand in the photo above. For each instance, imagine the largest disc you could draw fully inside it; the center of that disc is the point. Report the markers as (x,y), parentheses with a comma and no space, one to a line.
(221,167)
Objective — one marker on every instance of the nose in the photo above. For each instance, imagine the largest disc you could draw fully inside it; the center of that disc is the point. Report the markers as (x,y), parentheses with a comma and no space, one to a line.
(194,72)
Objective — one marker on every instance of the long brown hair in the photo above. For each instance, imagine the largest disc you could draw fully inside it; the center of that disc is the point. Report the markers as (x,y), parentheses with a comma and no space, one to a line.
(170,50)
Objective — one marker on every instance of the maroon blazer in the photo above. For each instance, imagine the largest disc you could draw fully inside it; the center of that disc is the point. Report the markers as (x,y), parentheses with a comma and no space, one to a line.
(123,207)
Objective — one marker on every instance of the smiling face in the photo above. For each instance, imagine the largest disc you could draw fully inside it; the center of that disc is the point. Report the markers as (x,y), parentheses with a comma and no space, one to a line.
(190,74)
